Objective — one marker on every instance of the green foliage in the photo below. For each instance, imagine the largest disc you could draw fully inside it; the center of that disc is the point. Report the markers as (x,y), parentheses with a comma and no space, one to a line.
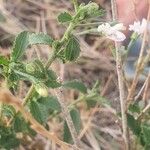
(146,134)
(64,17)
(75,115)
(8,111)
(8,139)
(72,50)
(134,125)
(77,85)
(20,45)
(42,108)
(52,80)
(40,38)
(4,61)
(24,39)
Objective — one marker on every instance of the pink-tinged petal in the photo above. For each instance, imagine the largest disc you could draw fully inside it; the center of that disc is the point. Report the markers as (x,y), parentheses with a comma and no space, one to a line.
(119,26)
(117,36)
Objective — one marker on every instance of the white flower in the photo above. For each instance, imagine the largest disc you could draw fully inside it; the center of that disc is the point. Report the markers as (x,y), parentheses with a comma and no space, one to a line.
(112,32)
(138,27)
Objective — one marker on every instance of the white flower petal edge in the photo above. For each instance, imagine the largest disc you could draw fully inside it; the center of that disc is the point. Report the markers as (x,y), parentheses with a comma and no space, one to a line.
(117,36)
(112,32)
(138,27)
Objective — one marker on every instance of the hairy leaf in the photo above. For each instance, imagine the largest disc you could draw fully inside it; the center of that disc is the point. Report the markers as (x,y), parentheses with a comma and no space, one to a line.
(19,46)
(64,17)
(134,125)
(72,50)
(75,115)
(77,85)
(40,38)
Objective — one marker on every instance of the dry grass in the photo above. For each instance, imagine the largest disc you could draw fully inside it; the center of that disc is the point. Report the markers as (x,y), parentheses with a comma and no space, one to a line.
(101,128)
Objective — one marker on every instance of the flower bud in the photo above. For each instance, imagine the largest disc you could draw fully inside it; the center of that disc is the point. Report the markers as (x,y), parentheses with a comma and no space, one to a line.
(31,67)
(42,89)
(91,8)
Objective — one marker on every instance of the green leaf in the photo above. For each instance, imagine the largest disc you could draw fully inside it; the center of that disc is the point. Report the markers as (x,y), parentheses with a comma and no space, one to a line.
(43,107)
(52,80)
(8,138)
(146,133)
(64,17)
(36,68)
(134,108)
(75,115)
(4,60)
(19,124)
(72,50)
(8,110)
(24,39)
(40,38)
(134,125)
(38,111)
(51,103)
(75,84)
(19,46)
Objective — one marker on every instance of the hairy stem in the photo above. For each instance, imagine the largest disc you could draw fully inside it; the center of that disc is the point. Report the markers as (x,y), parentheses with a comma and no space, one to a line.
(75,3)
(120,83)
(8,98)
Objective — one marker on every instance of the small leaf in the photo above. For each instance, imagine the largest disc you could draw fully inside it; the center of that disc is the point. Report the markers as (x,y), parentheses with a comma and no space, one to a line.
(64,17)
(77,85)
(72,50)
(19,124)
(36,68)
(43,107)
(52,80)
(51,103)
(24,39)
(8,110)
(146,133)
(75,115)
(4,60)
(38,111)
(134,108)
(40,38)
(134,125)
(8,138)
(19,46)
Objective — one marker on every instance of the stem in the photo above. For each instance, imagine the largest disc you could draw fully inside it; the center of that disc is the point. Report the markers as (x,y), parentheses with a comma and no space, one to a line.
(8,98)
(50,60)
(65,110)
(120,83)
(75,3)
(66,115)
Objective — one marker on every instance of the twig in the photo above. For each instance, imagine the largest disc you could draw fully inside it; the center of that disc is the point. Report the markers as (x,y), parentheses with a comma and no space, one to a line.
(120,82)
(8,98)
(146,91)
(75,3)
(66,115)
(141,90)
(145,110)
(139,65)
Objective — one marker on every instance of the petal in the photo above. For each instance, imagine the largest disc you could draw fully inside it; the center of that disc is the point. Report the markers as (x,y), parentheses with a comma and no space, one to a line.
(119,26)
(117,36)
(143,26)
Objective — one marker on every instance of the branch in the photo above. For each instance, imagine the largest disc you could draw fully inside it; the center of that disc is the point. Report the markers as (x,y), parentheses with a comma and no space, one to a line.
(8,98)
(120,83)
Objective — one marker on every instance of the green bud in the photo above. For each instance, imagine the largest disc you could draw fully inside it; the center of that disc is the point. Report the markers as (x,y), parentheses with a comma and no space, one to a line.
(91,8)
(42,89)
(31,67)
